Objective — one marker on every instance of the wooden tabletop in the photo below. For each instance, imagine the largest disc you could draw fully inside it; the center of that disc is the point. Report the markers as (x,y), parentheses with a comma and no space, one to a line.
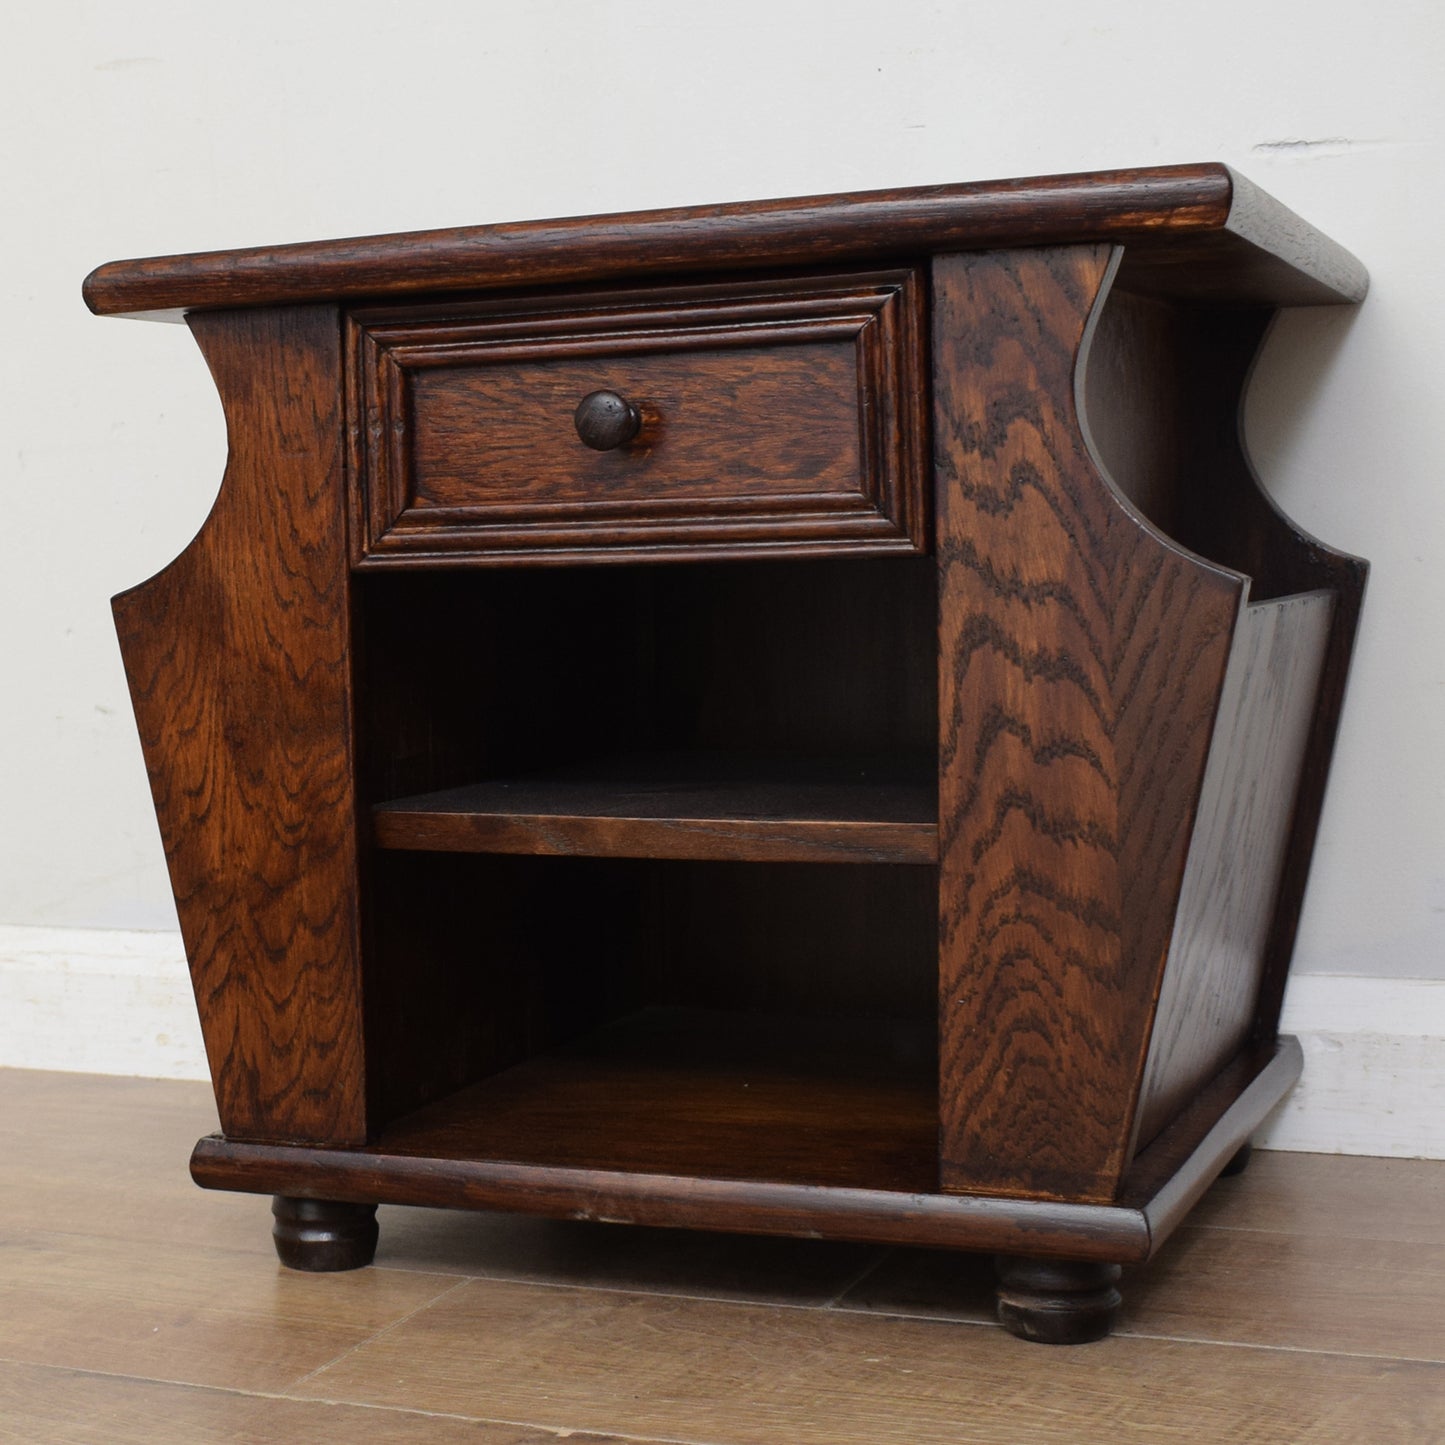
(1193,229)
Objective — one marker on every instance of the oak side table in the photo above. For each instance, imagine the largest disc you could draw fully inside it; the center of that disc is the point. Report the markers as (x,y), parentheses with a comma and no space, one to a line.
(792,718)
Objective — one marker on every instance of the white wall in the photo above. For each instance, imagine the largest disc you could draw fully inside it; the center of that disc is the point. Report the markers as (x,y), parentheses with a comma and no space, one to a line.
(157,126)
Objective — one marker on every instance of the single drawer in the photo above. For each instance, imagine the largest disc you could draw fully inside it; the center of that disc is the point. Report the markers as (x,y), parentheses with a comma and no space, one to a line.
(758,418)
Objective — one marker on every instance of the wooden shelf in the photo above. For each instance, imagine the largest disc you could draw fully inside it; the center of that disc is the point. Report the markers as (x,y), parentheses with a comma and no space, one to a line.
(685,805)
(708,1094)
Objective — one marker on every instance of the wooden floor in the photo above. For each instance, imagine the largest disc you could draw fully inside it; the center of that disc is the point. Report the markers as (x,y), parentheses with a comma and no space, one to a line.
(1305,1302)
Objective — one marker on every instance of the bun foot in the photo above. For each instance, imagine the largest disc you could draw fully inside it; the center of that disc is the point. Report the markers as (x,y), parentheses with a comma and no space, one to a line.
(1240,1162)
(1055,1301)
(321,1235)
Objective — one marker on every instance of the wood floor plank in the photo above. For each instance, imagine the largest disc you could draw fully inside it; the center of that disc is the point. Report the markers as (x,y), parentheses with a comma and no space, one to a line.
(1353,1296)
(183,1313)
(110,1260)
(71,1407)
(91,1154)
(54,1131)
(1359,1296)
(94,1106)
(639,1364)
(1325,1196)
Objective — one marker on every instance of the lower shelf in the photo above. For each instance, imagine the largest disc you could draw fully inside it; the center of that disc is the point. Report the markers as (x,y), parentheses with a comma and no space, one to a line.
(707,1093)
(428,1159)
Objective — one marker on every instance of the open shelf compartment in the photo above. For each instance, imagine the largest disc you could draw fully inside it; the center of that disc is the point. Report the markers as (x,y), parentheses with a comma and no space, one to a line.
(711,1094)
(606,928)
(794,703)
(653,1015)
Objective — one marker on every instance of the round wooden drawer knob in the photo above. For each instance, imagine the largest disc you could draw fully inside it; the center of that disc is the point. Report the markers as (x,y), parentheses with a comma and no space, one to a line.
(605,420)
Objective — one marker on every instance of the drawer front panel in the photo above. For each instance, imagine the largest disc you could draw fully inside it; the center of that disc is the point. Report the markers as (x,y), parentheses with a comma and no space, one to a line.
(748,422)
(774,418)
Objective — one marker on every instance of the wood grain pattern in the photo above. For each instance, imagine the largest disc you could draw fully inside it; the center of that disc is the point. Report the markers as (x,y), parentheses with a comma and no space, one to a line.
(1173,1173)
(1245,244)
(66,1136)
(973,1222)
(1331,1198)
(766,421)
(1163,393)
(1210,992)
(705,1093)
(1237,521)
(237,655)
(779,414)
(778,809)
(61,1407)
(1084,626)
(699,1370)
(1266,1288)
(1081,657)
(1165,384)
(215,1317)
(758,1162)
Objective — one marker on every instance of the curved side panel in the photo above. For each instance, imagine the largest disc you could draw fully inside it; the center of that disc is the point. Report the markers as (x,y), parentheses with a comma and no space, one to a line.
(237,655)
(1165,387)
(1082,656)
(1234,519)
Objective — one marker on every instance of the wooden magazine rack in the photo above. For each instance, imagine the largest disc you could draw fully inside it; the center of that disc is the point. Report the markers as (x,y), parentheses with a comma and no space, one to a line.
(792,718)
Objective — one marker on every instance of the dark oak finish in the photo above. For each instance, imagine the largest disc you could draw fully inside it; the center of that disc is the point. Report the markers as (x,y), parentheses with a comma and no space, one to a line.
(472,964)
(1057,1302)
(1163,391)
(323,1236)
(772,809)
(540,671)
(1192,229)
(510,879)
(971,1222)
(777,417)
(477,963)
(1214,972)
(1262,542)
(1238,1162)
(708,1094)
(1166,1180)
(605,420)
(1074,737)
(238,658)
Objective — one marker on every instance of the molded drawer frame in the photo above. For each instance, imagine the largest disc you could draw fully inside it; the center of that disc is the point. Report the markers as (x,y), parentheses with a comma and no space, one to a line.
(733,480)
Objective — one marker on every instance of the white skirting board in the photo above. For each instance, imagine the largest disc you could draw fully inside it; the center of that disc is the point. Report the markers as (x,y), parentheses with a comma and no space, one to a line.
(98,1001)
(1374,1077)
(120,1003)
